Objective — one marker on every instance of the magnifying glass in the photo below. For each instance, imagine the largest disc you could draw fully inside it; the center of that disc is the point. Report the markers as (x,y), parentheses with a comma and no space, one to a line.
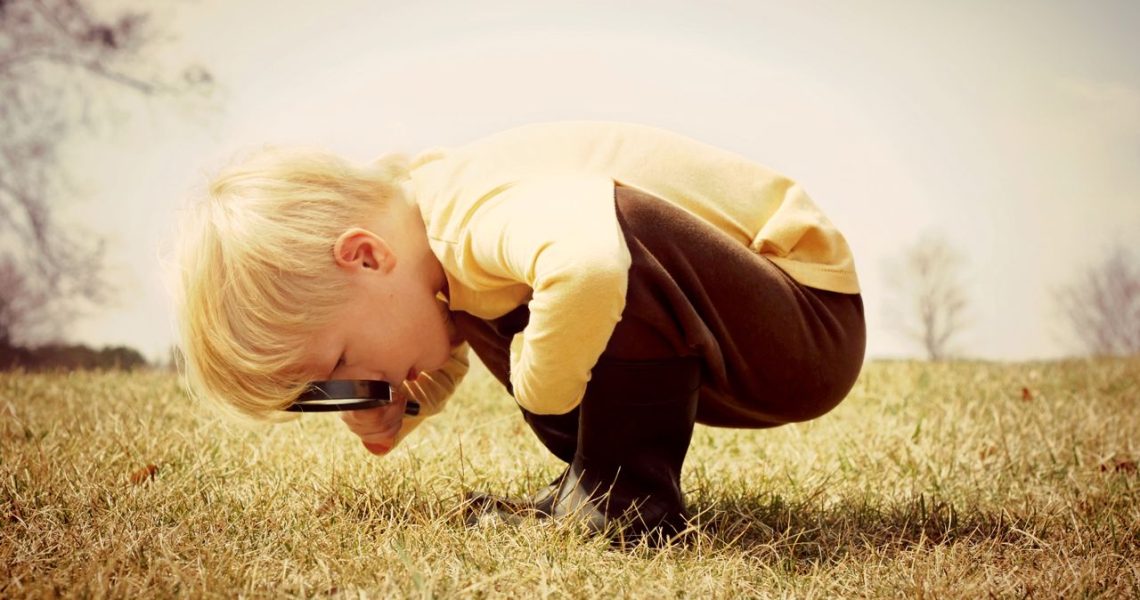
(347,394)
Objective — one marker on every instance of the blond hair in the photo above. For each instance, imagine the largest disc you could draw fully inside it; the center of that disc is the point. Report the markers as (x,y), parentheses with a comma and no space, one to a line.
(256,276)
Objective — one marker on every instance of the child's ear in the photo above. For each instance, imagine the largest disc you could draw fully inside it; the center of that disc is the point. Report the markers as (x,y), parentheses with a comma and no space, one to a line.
(361,249)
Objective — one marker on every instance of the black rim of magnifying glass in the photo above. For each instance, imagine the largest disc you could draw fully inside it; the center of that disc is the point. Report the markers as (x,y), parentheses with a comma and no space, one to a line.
(347,394)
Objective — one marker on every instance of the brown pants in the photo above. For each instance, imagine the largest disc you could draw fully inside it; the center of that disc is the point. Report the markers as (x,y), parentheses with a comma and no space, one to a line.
(772,350)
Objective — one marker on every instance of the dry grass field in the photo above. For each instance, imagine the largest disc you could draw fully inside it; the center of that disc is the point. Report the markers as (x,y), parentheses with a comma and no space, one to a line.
(957,479)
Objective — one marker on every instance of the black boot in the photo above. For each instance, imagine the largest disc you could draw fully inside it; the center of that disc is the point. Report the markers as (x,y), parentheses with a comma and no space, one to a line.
(634,428)
(559,433)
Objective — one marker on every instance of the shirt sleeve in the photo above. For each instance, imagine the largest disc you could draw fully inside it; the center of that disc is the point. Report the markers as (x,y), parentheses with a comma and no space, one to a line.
(560,236)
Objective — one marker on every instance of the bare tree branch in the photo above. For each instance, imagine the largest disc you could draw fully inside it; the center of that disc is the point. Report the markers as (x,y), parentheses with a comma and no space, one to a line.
(1102,305)
(929,304)
(61,65)
(92,66)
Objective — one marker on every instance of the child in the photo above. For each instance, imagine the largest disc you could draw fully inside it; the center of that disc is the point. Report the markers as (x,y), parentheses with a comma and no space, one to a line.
(621,281)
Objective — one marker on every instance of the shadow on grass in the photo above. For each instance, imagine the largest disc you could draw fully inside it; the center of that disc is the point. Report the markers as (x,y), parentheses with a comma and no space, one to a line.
(809,532)
(798,534)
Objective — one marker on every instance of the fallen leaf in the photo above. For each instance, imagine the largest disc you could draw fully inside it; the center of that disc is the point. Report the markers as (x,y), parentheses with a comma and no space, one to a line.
(1118,464)
(328,505)
(144,474)
(13,512)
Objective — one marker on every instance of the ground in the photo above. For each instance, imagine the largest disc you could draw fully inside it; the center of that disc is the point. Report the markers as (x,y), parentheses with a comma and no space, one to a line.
(959,479)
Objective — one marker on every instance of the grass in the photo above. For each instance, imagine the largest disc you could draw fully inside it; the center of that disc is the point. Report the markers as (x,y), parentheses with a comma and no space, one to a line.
(945,480)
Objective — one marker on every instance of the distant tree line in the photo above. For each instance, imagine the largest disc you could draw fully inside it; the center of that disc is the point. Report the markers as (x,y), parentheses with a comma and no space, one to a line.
(69,357)
(928,303)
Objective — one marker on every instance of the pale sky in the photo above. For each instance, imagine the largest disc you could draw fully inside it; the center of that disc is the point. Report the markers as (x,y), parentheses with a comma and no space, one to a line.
(1013,128)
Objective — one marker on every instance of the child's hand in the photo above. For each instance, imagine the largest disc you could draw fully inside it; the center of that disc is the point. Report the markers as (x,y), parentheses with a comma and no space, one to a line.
(377,427)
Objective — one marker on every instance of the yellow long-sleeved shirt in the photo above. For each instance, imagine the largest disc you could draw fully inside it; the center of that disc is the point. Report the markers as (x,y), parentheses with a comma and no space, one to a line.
(527,216)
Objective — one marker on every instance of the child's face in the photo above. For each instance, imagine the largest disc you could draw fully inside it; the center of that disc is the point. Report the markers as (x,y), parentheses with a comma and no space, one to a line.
(391,327)
(383,338)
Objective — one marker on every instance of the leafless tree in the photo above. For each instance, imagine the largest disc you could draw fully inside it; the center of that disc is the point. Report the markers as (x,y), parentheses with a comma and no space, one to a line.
(929,299)
(18,301)
(1102,305)
(61,66)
